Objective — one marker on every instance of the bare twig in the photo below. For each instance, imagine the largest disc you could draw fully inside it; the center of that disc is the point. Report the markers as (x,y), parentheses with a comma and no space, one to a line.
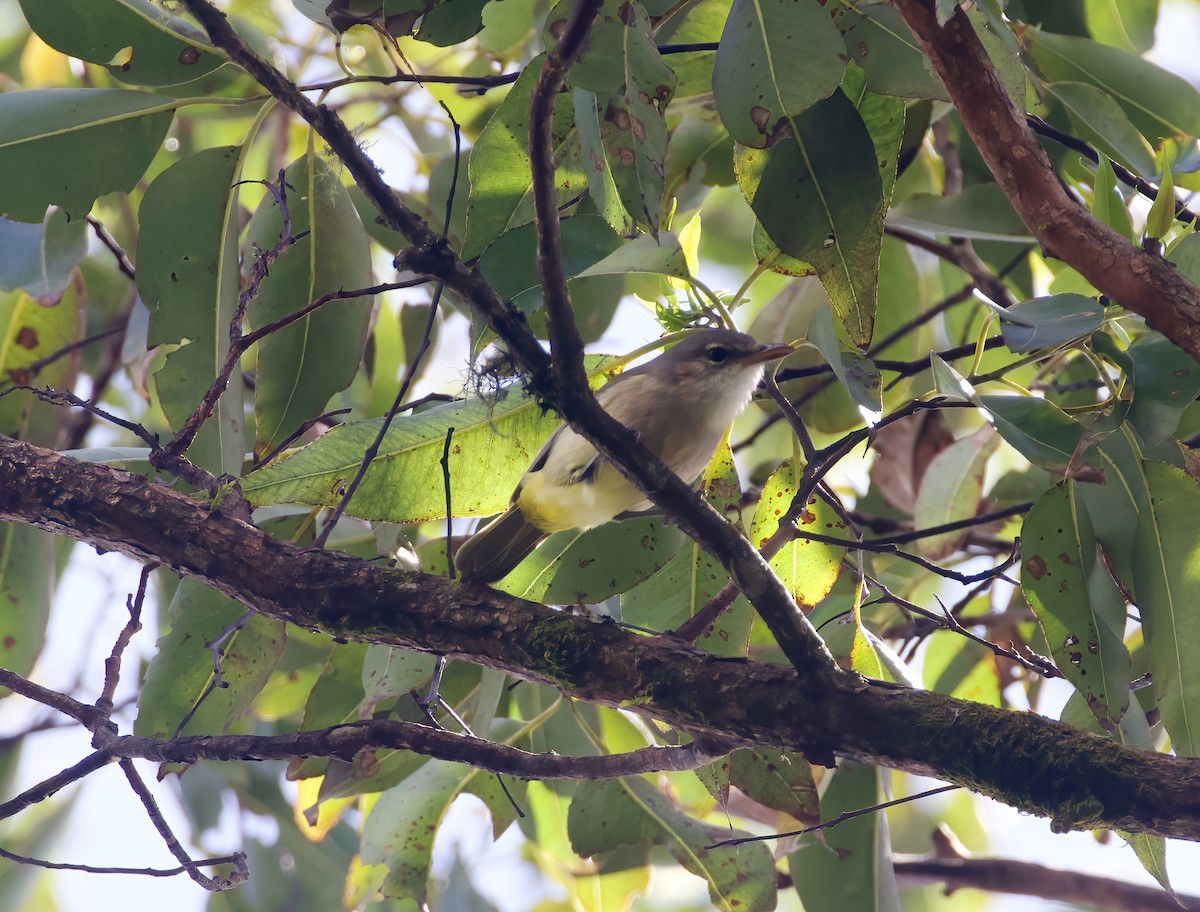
(212,884)
(112,665)
(106,238)
(840,818)
(96,869)
(373,450)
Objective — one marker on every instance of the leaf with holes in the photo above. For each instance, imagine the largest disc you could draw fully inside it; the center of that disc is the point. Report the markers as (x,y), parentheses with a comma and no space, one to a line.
(776,59)
(1083,626)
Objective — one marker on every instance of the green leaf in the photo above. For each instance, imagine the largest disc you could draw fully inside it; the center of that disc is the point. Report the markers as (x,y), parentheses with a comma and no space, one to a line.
(1107,203)
(659,256)
(1084,625)
(1127,24)
(302,365)
(182,669)
(584,568)
(510,262)
(601,186)
(27,577)
(857,373)
(606,815)
(493,444)
(137,41)
(32,329)
(877,40)
(73,145)
(1165,382)
(1115,504)
(1159,103)
(1151,851)
(776,59)
(852,867)
(39,259)
(621,64)
(1051,320)
(698,150)
(1099,120)
(693,576)
(1162,211)
(451,22)
(1037,429)
(400,829)
(778,780)
(951,489)
(387,672)
(188,275)
(1166,573)
(817,191)
(961,669)
(808,568)
(981,211)
(500,175)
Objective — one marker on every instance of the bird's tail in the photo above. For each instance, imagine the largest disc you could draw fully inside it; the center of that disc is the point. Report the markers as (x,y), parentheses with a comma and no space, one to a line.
(492,552)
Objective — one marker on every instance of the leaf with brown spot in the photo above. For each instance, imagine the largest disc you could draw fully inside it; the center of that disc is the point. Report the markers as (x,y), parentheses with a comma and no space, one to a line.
(1075,602)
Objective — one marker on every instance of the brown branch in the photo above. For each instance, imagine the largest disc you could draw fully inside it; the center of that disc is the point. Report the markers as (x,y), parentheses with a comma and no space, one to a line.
(1137,280)
(956,869)
(51,786)
(97,869)
(429,255)
(1039,766)
(345,741)
(240,873)
(573,399)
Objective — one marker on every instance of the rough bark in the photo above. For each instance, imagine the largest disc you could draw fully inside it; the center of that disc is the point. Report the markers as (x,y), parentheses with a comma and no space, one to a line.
(1037,765)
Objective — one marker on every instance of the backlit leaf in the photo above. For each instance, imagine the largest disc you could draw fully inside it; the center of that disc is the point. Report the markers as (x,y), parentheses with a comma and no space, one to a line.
(1083,625)
(137,41)
(777,58)
(302,365)
(1166,573)
(188,275)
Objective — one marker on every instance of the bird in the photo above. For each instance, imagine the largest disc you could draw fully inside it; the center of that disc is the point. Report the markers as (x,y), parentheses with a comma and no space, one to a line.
(680,404)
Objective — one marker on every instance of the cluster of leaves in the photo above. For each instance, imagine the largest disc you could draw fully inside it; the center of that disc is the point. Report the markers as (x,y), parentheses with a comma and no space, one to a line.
(805,148)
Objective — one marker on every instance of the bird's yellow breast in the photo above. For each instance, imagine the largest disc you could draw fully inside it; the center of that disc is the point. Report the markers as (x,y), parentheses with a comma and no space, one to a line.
(556,507)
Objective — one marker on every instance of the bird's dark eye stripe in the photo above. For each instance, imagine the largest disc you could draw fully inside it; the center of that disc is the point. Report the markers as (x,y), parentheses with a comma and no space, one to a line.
(717,354)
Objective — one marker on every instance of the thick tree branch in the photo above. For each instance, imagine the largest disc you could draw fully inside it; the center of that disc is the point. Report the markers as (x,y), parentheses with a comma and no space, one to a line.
(1143,283)
(1079,780)
(949,864)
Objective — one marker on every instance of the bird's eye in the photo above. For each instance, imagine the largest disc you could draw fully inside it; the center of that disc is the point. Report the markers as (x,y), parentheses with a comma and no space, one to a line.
(717,354)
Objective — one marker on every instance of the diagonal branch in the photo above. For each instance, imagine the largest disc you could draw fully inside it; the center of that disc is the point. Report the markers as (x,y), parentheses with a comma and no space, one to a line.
(575,402)
(1143,283)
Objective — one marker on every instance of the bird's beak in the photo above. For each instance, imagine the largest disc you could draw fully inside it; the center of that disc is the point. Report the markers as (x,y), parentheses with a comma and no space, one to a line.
(766,353)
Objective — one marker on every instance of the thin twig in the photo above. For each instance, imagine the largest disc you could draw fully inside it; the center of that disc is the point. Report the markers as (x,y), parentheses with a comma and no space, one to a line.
(1123,174)
(123,262)
(373,450)
(96,869)
(445,463)
(841,818)
(213,884)
(112,665)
